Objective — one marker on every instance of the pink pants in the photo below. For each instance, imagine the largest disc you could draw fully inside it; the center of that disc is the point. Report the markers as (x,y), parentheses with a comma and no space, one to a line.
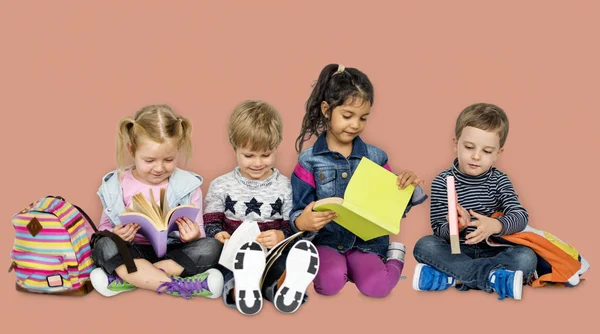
(372,276)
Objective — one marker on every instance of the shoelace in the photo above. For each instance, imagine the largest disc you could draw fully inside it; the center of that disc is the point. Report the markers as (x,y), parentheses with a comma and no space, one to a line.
(183,286)
(115,278)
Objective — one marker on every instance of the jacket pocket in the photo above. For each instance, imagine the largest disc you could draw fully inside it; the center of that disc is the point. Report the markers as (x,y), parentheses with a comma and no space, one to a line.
(325,182)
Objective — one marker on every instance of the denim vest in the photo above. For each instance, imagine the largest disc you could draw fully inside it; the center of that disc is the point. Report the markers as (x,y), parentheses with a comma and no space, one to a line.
(322,173)
(182,185)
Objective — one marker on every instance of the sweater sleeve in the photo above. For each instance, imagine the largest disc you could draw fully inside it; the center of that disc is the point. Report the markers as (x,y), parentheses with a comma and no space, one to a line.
(515,216)
(196,200)
(303,193)
(105,223)
(439,208)
(214,211)
(286,228)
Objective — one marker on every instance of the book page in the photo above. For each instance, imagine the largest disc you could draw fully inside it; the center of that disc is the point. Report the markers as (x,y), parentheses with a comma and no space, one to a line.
(164,204)
(283,243)
(275,252)
(354,222)
(246,232)
(142,205)
(155,206)
(328,200)
(373,193)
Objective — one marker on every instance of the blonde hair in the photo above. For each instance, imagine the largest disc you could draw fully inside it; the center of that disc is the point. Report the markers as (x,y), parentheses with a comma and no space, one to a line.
(158,122)
(255,125)
(483,116)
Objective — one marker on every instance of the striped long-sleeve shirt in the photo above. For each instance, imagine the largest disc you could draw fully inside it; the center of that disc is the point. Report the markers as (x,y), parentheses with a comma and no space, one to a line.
(485,194)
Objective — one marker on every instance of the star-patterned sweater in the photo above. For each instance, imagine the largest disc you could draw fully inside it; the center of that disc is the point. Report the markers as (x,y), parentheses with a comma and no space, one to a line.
(232,199)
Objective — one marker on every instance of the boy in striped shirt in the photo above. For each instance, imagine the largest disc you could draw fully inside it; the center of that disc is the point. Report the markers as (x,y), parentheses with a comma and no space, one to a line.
(482,190)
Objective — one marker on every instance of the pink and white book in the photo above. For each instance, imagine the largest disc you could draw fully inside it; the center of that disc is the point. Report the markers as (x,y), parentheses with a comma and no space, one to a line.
(452,215)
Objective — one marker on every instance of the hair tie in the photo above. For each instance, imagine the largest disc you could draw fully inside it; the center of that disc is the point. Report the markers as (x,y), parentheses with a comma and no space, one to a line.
(340,69)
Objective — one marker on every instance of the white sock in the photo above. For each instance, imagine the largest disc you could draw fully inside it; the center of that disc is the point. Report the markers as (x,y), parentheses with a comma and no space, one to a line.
(396,251)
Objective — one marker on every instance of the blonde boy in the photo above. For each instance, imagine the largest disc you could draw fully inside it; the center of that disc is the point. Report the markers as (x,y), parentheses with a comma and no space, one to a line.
(256,191)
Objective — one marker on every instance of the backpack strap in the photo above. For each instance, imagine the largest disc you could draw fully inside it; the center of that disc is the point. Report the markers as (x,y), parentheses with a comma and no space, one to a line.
(89,220)
(121,246)
(85,215)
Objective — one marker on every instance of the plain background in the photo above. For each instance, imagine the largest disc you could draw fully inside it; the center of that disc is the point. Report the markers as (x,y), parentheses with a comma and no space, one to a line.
(70,70)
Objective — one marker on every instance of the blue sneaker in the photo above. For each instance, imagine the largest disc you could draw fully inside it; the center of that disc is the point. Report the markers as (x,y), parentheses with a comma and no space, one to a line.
(428,279)
(507,283)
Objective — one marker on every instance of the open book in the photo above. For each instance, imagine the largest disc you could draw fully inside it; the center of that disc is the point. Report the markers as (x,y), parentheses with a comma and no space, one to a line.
(156,221)
(372,205)
(247,232)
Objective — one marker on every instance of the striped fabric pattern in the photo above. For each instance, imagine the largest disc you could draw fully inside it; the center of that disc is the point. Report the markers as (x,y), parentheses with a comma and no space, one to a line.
(58,258)
(485,194)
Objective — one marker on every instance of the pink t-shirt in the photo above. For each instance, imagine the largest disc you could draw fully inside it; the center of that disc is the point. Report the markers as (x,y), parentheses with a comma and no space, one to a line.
(131,186)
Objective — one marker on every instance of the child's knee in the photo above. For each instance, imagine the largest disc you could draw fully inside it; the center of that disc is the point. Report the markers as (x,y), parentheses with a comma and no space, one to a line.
(104,250)
(375,286)
(525,260)
(330,281)
(427,246)
(204,250)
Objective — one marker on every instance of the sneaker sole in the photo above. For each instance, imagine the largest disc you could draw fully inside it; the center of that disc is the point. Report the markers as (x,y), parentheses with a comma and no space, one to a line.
(417,276)
(248,268)
(518,285)
(99,280)
(302,265)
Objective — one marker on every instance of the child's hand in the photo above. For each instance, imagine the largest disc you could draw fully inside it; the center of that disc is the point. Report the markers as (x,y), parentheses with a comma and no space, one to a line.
(270,238)
(464,218)
(406,178)
(127,231)
(310,220)
(486,226)
(222,236)
(188,230)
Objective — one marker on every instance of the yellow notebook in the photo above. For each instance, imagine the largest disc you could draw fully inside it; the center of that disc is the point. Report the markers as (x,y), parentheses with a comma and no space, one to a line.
(372,205)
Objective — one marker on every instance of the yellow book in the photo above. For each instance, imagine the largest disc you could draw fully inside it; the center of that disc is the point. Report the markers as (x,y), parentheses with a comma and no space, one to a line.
(373,205)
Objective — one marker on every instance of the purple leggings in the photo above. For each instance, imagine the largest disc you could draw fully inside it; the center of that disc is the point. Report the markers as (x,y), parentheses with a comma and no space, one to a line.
(372,277)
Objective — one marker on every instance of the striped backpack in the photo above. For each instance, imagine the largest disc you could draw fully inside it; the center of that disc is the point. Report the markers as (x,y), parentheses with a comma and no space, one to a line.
(51,252)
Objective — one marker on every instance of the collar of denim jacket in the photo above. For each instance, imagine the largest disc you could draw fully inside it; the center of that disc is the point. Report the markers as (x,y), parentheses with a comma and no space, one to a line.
(359,148)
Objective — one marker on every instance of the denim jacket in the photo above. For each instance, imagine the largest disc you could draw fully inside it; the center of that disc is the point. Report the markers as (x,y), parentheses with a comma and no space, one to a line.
(321,173)
(182,185)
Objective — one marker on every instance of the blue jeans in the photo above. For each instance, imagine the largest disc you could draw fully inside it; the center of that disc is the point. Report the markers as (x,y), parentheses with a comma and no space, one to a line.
(473,265)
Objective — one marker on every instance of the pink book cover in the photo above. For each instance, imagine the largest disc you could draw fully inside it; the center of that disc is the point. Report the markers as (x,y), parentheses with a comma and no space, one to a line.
(452,215)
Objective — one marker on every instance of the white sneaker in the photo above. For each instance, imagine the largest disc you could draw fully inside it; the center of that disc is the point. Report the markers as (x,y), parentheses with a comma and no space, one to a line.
(302,265)
(109,285)
(248,269)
